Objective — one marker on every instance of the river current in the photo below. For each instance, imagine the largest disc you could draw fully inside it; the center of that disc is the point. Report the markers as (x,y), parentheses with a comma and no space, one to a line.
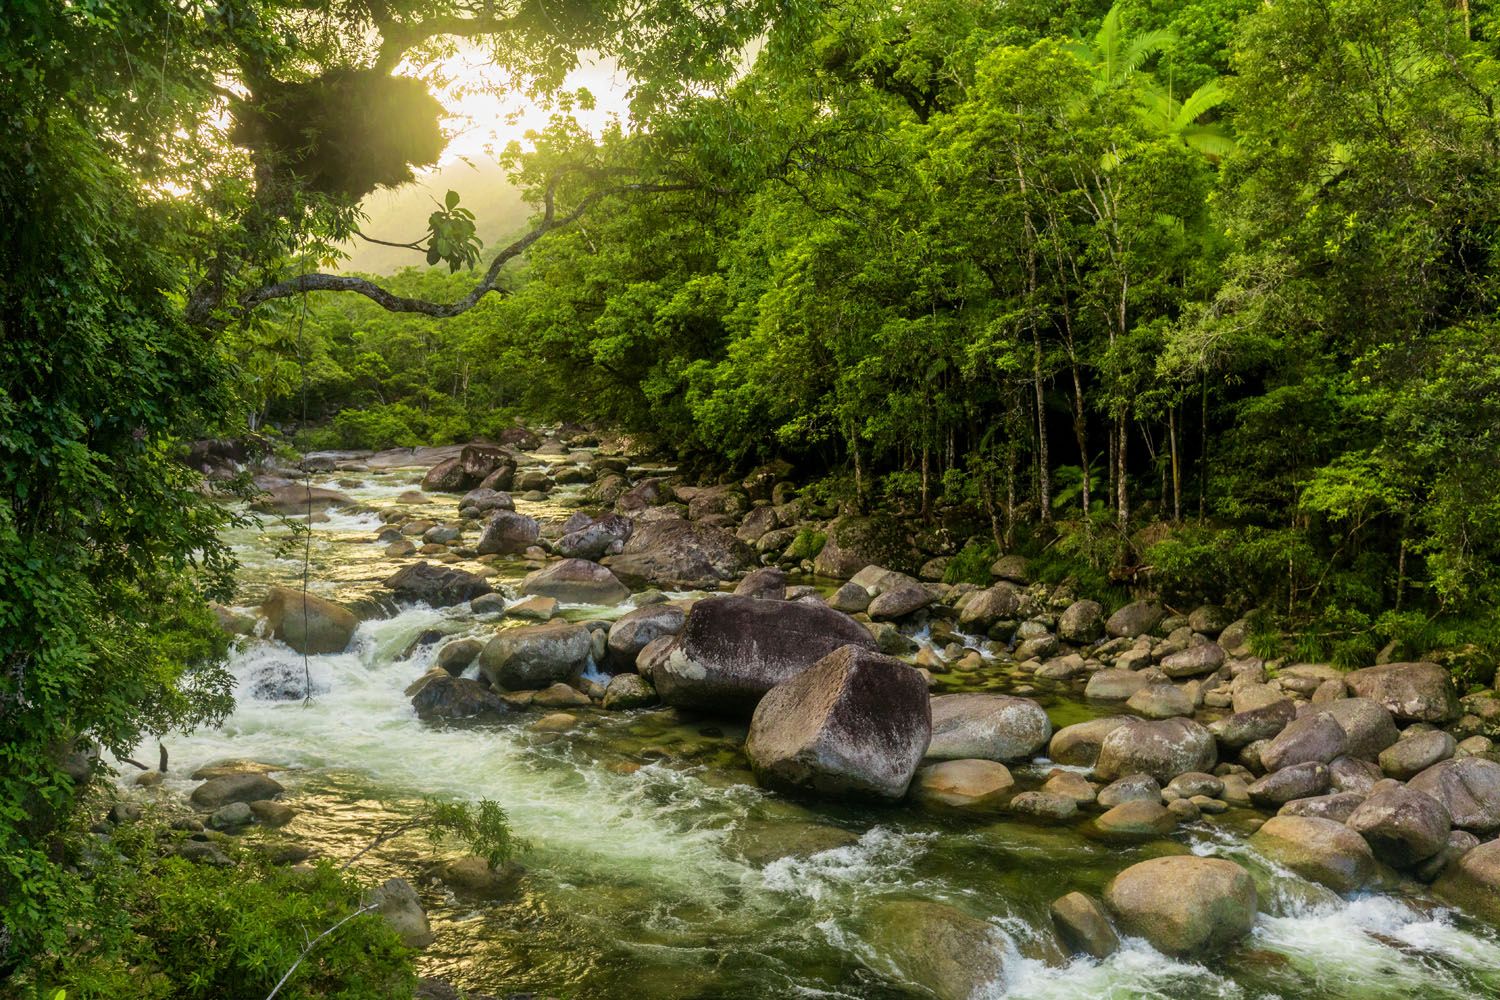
(657,870)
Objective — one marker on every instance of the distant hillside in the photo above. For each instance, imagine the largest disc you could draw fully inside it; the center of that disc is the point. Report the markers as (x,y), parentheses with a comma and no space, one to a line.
(401,215)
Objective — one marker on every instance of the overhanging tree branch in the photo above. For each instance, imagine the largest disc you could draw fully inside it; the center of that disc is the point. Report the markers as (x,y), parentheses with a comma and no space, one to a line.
(443,310)
(397,36)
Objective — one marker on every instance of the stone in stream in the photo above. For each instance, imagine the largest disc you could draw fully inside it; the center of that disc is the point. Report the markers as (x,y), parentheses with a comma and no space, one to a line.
(230,816)
(576,581)
(1472,882)
(535,609)
(946,952)
(1351,774)
(1081,623)
(1115,684)
(631,632)
(297,499)
(1160,701)
(1337,806)
(507,533)
(447,697)
(1403,826)
(681,555)
(560,695)
(535,656)
(1078,745)
(900,601)
(437,586)
(1298,781)
(986,607)
(1468,788)
(856,723)
(1131,788)
(1194,661)
(732,650)
(482,500)
(767,583)
(1162,749)
(963,784)
(473,876)
(987,726)
(1083,926)
(272,813)
(307,623)
(471,467)
(1415,753)
(1136,618)
(1136,819)
(854,542)
(1368,725)
(1045,807)
(456,656)
(1314,738)
(221,791)
(396,902)
(629,691)
(1413,692)
(599,538)
(1263,723)
(1320,850)
(1184,905)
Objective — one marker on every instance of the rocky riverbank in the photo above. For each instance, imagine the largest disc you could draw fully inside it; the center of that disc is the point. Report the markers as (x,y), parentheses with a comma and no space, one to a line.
(855,675)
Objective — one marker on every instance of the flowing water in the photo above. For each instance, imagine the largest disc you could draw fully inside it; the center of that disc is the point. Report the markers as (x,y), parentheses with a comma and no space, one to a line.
(656,868)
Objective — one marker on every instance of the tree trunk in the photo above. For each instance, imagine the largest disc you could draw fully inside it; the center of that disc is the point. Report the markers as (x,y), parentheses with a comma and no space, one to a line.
(1044,474)
(1080,432)
(1203,451)
(1122,487)
(1176,470)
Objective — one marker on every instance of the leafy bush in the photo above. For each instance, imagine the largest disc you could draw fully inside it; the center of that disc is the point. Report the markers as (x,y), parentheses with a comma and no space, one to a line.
(806,545)
(972,564)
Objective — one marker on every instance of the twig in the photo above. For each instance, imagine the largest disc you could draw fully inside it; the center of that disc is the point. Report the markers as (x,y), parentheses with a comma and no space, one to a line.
(368,907)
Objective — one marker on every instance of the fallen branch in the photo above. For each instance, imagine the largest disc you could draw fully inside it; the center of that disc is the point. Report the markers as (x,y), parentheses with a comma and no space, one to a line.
(367,908)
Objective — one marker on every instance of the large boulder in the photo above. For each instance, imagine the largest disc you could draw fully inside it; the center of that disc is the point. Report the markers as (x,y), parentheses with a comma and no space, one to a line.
(732,650)
(631,632)
(945,952)
(1297,781)
(1078,745)
(1320,850)
(988,727)
(681,555)
(1135,618)
(986,607)
(599,538)
(482,500)
(397,904)
(468,469)
(1184,904)
(217,792)
(964,784)
(576,581)
(856,542)
(438,586)
(535,656)
(1468,787)
(647,493)
(449,697)
(1083,925)
(507,533)
(1204,658)
(856,723)
(1403,826)
(1243,728)
(1415,692)
(298,499)
(1317,737)
(1416,752)
(306,623)
(1473,882)
(766,583)
(1162,749)
(1081,623)
(1367,723)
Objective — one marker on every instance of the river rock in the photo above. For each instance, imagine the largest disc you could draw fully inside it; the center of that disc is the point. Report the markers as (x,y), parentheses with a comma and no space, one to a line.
(900,601)
(448,697)
(1081,623)
(1134,619)
(247,788)
(1473,882)
(576,581)
(437,586)
(986,607)
(1414,692)
(1403,826)
(631,632)
(1320,850)
(1243,728)
(987,726)
(1131,788)
(732,650)
(468,469)
(1352,774)
(944,951)
(601,537)
(458,654)
(535,656)
(1161,749)
(1337,806)
(1415,753)
(1468,788)
(1044,806)
(1367,723)
(1209,619)
(1184,904)
(473,876)
(626,691)
(1136,818)
(396,902)
(297,499)
(1160,701)
(855,723)
(856,542)
(230,816)
(1078,745)
(766,583)
(481,501)
(507,533)
(681,555)
(269,812)
(1115,684)
(307,623)
(1083,926)
(1298,781)
(1317,737)
(1194,661)
(964,784)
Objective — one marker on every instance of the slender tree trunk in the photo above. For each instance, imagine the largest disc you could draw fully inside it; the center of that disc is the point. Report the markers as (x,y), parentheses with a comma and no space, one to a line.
(1176,470)
(1044,474)
(1080,431)
(1203,451)
(926,496)
(859,472)
(1122,486)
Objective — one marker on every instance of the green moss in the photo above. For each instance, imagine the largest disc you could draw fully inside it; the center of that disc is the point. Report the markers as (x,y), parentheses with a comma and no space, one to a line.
(806,545)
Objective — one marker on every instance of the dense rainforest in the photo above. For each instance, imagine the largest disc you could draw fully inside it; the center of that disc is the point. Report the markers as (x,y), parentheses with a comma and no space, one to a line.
(1189,297)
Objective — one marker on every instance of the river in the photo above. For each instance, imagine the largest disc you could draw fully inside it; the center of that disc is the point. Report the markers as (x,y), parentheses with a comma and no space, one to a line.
(653,861)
